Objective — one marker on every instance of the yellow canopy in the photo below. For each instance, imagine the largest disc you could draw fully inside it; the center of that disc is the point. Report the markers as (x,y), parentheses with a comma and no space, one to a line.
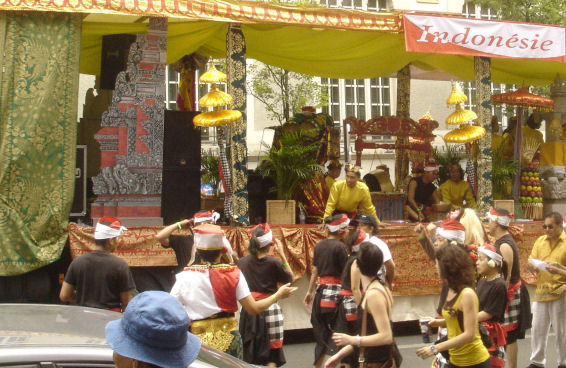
(315,51)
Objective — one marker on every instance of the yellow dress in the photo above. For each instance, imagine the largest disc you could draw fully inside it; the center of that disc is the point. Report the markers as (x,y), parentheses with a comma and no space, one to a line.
(456,192)
(344,198)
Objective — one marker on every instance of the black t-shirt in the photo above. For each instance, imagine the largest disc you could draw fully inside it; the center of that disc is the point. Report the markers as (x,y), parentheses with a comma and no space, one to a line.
(346,281)
(330,257)
(182,245)
(493,297)
(516,270)
(99,278)
(423,192)
(263,274)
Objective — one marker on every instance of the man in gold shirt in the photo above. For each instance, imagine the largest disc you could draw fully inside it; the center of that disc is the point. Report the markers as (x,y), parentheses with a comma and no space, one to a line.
(455,190)
(549,307)
(347,195)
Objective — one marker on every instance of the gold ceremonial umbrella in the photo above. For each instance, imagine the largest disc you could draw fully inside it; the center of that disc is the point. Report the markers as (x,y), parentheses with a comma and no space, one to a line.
(461,116)
(216,118)
(212,75)
(457,96)
(464,134)
(215,98)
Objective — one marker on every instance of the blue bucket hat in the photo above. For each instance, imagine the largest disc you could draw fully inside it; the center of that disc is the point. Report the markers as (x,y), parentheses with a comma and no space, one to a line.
(154,329)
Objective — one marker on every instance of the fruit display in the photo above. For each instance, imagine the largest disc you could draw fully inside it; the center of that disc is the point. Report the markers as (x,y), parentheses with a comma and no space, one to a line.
(531,191)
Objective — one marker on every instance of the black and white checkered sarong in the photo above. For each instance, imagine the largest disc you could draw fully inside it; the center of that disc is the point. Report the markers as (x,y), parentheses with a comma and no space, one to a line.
(512,312)
(330,294)
(274,322)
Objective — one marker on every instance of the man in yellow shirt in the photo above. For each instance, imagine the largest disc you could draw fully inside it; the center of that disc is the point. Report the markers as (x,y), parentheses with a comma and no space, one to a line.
(549,307)
(348,195)
(455,190)
(334,168)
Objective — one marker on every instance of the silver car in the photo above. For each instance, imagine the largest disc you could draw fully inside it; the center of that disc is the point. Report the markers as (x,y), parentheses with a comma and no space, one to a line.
(56,336)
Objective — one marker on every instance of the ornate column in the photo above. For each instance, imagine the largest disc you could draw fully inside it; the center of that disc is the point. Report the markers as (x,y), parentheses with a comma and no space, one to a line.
(403,110)
(482,67)
(236,70)
(131,138)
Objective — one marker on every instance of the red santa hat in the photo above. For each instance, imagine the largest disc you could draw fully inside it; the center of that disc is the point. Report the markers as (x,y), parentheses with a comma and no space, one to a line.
(338,224)
(209,237)
(200,217)
(265,239)
(362,237)
(490,251)
(452,230)
(113,228)
(431,167)
(500,218)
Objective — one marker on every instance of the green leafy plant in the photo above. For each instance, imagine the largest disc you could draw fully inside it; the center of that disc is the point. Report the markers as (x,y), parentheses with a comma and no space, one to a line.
(210,172)
(502,170)
(445,157)
(291,163)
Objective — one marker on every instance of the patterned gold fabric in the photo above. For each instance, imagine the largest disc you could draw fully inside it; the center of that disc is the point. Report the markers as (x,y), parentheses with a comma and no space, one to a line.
(416,276)
(215,332)
(38,105)
(483,97)
(236,67)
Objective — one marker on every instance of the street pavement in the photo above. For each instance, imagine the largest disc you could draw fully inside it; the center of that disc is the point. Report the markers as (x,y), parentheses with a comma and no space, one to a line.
(302,355)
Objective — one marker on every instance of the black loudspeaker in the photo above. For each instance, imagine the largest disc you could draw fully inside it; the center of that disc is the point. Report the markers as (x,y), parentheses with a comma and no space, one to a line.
(115,50)
(180,195)
(78,208)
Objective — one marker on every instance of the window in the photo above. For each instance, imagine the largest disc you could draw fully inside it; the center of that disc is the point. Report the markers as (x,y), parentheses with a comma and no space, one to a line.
(500,111)
(471,10)
(374,5)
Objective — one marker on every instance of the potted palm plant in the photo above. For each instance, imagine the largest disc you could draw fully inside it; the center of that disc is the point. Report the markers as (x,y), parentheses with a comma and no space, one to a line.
(210,173)
(502,170)
(289,164)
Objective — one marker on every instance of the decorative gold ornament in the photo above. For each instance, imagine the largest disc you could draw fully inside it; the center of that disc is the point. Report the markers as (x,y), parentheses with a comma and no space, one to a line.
(216,118)
(464,134)
(461,116)
(215,98)
(212,75)
(457,96)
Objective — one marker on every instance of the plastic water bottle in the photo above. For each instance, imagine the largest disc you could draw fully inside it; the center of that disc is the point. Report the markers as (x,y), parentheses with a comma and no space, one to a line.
(302,217)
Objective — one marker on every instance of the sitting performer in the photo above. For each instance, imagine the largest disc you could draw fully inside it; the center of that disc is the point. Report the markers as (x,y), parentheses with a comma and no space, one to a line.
(334,168)
(455,190)
(422,194)
(209,291)
(263,334)
(347,195)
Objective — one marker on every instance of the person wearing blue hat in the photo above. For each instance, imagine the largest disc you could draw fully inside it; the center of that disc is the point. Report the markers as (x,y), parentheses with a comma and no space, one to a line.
(153,332)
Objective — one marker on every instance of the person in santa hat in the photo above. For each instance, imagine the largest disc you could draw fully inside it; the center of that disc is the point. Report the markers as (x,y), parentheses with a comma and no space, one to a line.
(262,334)
(87,278)
(422,194)
(517,315)
(329,259)
(182,244)
(210,291)
(492,295)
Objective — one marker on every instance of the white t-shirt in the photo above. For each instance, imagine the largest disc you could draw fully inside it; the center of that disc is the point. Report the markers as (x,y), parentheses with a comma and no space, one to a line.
(382,246)
(194,290)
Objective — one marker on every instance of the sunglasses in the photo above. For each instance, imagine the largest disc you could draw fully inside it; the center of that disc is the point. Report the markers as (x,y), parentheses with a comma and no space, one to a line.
(548,227)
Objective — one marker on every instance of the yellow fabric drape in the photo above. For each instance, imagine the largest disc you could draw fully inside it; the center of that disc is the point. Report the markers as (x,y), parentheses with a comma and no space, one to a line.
(316,51)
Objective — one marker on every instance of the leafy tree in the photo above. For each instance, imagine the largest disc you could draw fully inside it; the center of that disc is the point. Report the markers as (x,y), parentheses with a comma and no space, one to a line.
(533,11)
(284,92)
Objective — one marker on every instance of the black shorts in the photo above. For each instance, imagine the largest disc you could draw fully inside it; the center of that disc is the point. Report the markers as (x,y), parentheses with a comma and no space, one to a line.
(512,336)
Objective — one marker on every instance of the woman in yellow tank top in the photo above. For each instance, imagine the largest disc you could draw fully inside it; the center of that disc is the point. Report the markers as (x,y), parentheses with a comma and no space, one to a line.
(464,342)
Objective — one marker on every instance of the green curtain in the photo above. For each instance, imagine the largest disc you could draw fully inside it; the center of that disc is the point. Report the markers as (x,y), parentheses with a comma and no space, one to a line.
(38,106)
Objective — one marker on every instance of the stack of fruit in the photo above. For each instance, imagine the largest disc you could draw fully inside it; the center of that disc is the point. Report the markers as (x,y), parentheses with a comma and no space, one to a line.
(531,191)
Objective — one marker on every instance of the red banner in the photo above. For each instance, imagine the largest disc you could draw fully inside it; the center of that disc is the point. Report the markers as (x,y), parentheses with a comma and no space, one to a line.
(490,38)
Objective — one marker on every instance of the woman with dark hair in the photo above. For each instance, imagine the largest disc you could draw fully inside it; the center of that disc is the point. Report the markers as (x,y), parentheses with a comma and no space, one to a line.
(460,312)
(347,321)
(262,334)
(377,303)
(210,292)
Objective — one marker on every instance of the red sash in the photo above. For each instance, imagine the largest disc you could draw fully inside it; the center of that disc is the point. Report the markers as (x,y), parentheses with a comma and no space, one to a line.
(224,281)
(329,280)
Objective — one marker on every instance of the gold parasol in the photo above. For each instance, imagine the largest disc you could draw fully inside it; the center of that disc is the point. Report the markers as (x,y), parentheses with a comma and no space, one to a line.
(464,134)
(216,118)
(461,116)
(457,96)
(212,75)
(215,98)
